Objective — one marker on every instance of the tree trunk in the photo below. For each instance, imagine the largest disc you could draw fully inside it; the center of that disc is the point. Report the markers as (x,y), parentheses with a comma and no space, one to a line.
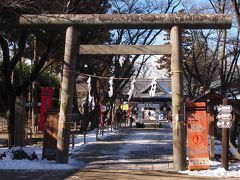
(11,118)
(34,95)
(34,108)
(85,119)
(95,120)
(19,128)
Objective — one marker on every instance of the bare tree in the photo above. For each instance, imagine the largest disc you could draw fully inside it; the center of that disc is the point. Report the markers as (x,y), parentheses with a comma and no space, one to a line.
(208,55)
(127,68)
(139,36)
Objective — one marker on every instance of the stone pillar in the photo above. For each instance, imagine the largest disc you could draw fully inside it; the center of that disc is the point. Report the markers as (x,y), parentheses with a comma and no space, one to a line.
(157,114)
(140,114)
(70,55)
(179,131)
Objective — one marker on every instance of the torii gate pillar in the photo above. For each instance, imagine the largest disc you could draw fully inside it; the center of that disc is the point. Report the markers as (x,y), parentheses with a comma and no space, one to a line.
(179,132)
(67,89)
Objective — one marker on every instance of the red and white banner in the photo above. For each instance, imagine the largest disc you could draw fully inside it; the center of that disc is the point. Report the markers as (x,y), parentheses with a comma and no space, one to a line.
(129,111)
(102,110)
(197,131)
(46,104)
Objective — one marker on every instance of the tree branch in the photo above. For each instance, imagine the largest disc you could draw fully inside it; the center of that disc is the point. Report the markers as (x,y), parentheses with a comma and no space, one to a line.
(6,62)
(21,48)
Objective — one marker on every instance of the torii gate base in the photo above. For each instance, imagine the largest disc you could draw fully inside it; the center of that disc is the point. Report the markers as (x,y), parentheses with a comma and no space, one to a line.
(146,21)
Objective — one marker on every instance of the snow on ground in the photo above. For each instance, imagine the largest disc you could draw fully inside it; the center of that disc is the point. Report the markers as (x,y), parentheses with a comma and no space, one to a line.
(214,171)
(217,171)
(8,163)
(215,167)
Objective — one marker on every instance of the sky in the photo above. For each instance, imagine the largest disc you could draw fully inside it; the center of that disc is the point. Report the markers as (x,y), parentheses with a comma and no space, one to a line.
(153,71)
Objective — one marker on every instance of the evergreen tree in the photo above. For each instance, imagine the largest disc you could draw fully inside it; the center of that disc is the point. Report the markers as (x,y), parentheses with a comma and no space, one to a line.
(16,43)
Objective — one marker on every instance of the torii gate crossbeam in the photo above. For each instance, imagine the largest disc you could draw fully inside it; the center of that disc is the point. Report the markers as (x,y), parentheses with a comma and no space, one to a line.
(175,22)
(126,49)
(130,21)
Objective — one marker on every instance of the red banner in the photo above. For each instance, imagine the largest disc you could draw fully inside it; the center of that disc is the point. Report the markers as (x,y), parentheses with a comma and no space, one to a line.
(129,111)
(46,104)
(197,131)
(102,110)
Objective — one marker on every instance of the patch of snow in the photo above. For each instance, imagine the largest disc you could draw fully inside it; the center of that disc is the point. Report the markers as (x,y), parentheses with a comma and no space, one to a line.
(9,164)
(215,167)
(37,164)
(216,171)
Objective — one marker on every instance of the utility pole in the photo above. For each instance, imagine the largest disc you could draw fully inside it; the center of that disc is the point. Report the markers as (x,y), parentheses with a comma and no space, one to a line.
(67,85)
(225,142)
(179,130)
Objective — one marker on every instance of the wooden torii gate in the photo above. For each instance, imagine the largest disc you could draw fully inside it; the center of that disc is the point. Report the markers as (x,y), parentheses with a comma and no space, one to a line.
(175,22)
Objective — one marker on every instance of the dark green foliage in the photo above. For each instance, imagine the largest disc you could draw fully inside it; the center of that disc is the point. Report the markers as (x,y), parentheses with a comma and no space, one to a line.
(45,79)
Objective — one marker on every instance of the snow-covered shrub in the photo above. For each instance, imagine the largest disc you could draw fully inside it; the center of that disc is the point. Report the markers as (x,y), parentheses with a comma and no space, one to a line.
(18,153)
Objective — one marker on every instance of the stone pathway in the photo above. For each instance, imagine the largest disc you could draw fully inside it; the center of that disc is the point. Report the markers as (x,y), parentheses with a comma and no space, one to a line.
(139,149)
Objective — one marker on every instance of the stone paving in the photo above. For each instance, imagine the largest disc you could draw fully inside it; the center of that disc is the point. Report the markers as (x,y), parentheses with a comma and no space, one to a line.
(138,149)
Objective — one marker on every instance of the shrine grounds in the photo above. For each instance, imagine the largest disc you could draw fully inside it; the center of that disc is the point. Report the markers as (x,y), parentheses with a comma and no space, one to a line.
(129,153)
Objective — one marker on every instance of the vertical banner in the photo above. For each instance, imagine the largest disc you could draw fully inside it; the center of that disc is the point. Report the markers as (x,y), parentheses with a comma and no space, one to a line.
(46,104)
(197,133)
(129,111)
(102,110)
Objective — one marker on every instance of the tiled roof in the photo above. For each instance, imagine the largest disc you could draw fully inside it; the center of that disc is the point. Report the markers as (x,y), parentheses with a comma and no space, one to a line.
(142,87)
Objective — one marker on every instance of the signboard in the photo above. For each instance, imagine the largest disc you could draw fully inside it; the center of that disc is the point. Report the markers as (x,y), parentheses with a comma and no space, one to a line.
(224,124)
(224,116)
(50,136)
(46,104)
(197,134)
(124,107)
(225,108)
